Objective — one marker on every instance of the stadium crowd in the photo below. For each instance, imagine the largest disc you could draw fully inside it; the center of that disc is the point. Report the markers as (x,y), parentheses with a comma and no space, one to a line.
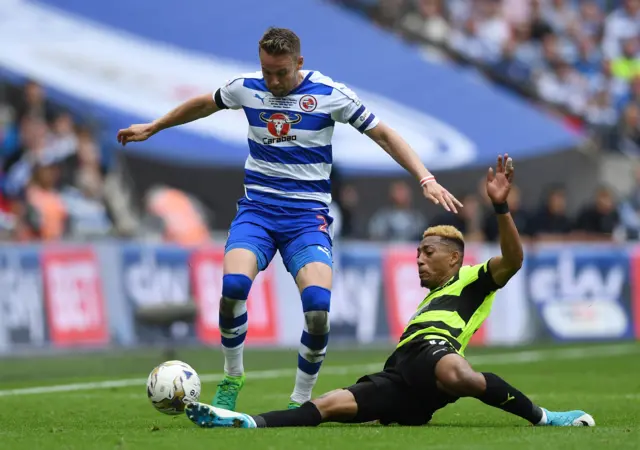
(603,219)
(56,181)
(582,57)
(52,169)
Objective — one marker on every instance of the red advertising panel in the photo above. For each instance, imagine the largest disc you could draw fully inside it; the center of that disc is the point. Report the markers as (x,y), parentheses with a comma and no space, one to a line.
(403,292)
(206,274)
(73,297)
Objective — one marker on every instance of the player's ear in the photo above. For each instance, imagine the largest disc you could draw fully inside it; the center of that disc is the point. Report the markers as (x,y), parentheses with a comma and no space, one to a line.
(299,62)
(455,259)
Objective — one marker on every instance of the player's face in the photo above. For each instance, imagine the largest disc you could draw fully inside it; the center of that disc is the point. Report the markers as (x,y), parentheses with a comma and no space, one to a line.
(435,261)
(280,72)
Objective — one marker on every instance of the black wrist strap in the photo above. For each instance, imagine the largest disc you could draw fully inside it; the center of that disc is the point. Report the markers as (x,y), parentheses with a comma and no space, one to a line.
(501,208)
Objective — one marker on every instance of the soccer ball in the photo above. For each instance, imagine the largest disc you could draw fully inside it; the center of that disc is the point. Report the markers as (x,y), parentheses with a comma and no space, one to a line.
(172,386)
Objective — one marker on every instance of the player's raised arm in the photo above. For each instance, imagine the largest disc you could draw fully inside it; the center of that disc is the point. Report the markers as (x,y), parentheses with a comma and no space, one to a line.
(193,109)
(392,143)
(506,265)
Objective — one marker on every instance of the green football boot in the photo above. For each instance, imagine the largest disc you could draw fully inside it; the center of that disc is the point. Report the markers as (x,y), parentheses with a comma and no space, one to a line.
(227,392)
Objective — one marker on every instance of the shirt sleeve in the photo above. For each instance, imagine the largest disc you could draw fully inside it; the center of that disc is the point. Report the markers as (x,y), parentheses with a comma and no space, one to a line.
(349,109)
(229,95)
(479,279)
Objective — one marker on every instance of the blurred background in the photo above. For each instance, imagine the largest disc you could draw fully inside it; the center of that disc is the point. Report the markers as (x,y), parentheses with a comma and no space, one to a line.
(103,246)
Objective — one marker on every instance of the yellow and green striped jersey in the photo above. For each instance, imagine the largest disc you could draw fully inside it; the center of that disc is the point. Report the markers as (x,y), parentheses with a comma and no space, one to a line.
(455,310)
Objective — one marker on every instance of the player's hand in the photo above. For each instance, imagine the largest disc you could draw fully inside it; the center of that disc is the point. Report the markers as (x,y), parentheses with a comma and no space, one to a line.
(499,184)
(440,196)
(136,133)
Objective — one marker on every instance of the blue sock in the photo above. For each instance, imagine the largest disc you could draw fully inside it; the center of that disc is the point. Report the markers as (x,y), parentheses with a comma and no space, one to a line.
(313,343)
(232,320)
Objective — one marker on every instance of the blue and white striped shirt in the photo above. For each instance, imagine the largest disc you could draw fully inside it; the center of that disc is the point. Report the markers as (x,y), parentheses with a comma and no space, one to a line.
(290,154)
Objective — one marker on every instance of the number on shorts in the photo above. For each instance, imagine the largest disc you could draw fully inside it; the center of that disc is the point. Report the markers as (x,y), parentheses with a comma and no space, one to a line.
(324,225)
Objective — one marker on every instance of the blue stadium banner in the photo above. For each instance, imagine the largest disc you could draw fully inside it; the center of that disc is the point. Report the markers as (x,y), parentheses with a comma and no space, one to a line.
(581,292)
(156,276)
(357,305)
(22,318)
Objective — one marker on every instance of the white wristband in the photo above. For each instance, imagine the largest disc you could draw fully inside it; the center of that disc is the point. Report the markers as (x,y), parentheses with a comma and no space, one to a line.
(424,181)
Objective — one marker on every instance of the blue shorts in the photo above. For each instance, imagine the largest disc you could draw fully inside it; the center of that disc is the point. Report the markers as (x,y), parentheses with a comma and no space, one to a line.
(301,236)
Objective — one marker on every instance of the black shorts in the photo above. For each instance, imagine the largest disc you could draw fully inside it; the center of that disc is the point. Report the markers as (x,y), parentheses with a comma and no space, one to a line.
(405,392)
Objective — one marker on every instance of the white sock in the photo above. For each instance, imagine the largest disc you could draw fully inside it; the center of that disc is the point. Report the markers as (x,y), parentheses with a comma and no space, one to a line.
(232,334)
(304,386)
(233,361)
(543,421)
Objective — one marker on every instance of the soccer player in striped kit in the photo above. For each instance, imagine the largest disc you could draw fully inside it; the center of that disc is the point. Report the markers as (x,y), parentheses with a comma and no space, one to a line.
(291,114)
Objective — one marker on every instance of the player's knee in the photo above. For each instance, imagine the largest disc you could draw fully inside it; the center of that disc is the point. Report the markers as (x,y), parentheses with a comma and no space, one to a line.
(461,380)
(235,290)
(236,286)
(336,404)
(316,302)
(317,322)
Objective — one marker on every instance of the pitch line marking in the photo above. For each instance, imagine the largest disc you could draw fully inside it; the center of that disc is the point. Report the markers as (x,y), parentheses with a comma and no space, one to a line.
(523,357)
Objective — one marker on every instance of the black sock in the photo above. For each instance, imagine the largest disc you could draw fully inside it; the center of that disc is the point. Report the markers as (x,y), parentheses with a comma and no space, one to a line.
(306,415)
(502,395)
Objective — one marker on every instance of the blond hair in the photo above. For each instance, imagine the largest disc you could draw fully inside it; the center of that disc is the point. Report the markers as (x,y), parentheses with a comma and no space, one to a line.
(444,231)
(280,41)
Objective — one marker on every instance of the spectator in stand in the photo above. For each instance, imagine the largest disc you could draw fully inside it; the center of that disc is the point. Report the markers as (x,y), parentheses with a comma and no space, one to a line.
(400,221)
(84,191)
(43,214)
(590,20)
(563,86)
(485,33)
(33,103)
(511,65)
(426,22)
(627,65)
(177,216)
(468,220)
(539,26)
(348,200)
(599,220)
(388,12)
(604,80)
(600,113)
(621,24)
(629,131)
(589,59)
(560,15)
(64,140)
(516,12)
(34,135)
(9,139)
(632,96)
(551,222)
(629,209)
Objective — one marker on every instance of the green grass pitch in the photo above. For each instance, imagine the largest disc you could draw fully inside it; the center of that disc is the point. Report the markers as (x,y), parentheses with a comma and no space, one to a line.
(604,380)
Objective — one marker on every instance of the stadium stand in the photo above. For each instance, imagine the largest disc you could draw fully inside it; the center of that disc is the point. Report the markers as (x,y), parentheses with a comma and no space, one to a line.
(580,59)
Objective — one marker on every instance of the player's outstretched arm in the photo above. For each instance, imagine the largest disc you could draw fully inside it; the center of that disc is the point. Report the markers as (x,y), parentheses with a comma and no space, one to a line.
(193,109)
(506,265)
(392,143)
